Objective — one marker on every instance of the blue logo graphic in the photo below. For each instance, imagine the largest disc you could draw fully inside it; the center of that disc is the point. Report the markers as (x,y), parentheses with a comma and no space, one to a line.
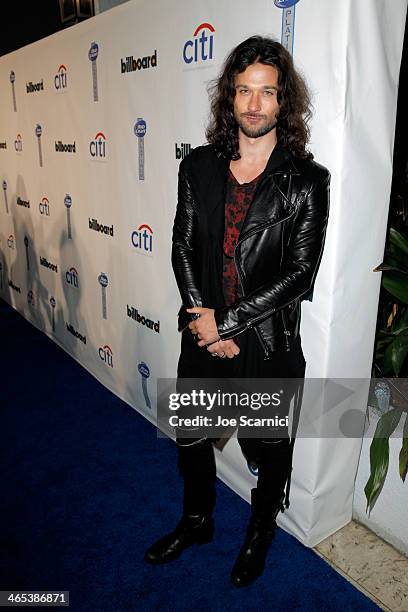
(103,281)
(53,305)
(288,22)
(139,130)
(145,373)
(252,469)
(38,132)
(92,55)
(68,204)
(13,90)
(285,3)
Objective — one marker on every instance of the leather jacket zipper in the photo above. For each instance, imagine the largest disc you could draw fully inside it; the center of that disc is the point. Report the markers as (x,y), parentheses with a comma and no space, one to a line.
(249,324)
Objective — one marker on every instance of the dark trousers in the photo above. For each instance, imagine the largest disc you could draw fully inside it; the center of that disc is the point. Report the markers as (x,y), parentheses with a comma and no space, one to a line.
(272,455)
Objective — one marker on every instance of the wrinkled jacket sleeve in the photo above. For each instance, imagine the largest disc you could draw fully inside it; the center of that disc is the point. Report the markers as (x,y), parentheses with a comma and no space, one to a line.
(298,270)
(184,244)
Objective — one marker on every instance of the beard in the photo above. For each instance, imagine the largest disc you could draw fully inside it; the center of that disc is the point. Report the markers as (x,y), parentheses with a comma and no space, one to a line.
(256,131)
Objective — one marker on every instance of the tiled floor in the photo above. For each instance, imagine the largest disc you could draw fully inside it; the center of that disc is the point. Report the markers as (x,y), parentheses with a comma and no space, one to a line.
(374,567)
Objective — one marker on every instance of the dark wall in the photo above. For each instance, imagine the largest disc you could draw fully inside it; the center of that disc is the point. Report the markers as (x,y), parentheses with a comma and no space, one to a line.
(27,22)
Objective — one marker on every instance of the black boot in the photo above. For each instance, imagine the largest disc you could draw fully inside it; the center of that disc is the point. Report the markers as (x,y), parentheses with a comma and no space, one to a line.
(197,467)
(251,559)
(190,530)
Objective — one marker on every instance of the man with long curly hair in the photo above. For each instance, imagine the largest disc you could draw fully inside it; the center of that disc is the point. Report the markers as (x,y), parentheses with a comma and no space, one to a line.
(248,238)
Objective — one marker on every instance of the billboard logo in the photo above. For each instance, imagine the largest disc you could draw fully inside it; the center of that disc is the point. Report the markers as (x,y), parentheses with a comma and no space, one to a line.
(44,262)
(201,47)
(33,87)
(5,195)
(68,204)
(142,239)
(76,333)
(92,55)
(13,89)
(130,64)
(21,202)
(71,276)
(98,227)
(183,150)
(27,245)
(288,22)
(60,147)
(44,207)
(139,130)
(97,146)
(133,313)
(60,79)
(145,373)
(18,143)
(38,132)
(103,281)
(53,304)
(106,355)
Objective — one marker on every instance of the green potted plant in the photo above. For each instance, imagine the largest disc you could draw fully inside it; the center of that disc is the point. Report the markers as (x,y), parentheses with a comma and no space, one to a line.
(390,360)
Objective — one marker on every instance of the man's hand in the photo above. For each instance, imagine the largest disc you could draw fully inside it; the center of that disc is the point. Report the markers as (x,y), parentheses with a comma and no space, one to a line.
(205,328)
(224,348)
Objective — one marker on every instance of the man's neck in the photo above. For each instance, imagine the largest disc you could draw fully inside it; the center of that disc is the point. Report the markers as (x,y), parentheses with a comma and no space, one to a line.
(256,150)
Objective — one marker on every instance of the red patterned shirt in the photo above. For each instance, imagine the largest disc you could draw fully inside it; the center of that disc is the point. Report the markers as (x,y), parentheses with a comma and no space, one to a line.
(238,201)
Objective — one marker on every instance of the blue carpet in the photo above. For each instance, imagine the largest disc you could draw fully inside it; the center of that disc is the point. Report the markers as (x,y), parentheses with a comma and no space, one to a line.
(87,486)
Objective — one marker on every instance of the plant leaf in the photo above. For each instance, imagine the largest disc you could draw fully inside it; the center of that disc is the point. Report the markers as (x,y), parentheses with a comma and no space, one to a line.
(403,456)
(399,240)
(379,455)
(396,283)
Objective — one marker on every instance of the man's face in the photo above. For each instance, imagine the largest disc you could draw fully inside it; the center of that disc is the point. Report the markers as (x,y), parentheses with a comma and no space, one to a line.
(255,105)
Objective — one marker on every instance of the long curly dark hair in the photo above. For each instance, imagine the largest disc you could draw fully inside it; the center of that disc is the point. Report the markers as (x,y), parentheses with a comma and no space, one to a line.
(293,98)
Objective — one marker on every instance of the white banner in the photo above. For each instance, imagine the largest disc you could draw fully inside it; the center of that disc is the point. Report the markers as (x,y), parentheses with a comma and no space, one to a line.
(95,120)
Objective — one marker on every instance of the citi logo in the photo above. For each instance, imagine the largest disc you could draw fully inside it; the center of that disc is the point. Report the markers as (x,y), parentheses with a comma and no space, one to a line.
(3,145)
(60,79)
(182,150)
(106,355)
(76,333)
(134,314)
(44,207)
(71,276)
(18,143)
(60,147)
(201,47)
(11,242)
(98,227)
(97,146)
(14,287)
(22,202)
(33,87)
(130,64)
(44,262)
(142,239)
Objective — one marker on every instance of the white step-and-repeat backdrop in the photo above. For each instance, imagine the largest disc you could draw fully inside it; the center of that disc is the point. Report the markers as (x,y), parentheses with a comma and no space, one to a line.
(94,122)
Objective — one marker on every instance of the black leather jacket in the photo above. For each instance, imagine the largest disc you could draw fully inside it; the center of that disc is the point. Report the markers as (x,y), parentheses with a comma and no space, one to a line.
(279,248)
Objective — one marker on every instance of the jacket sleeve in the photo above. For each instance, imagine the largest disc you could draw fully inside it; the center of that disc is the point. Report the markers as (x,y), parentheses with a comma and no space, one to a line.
(298,270)
(184,244)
